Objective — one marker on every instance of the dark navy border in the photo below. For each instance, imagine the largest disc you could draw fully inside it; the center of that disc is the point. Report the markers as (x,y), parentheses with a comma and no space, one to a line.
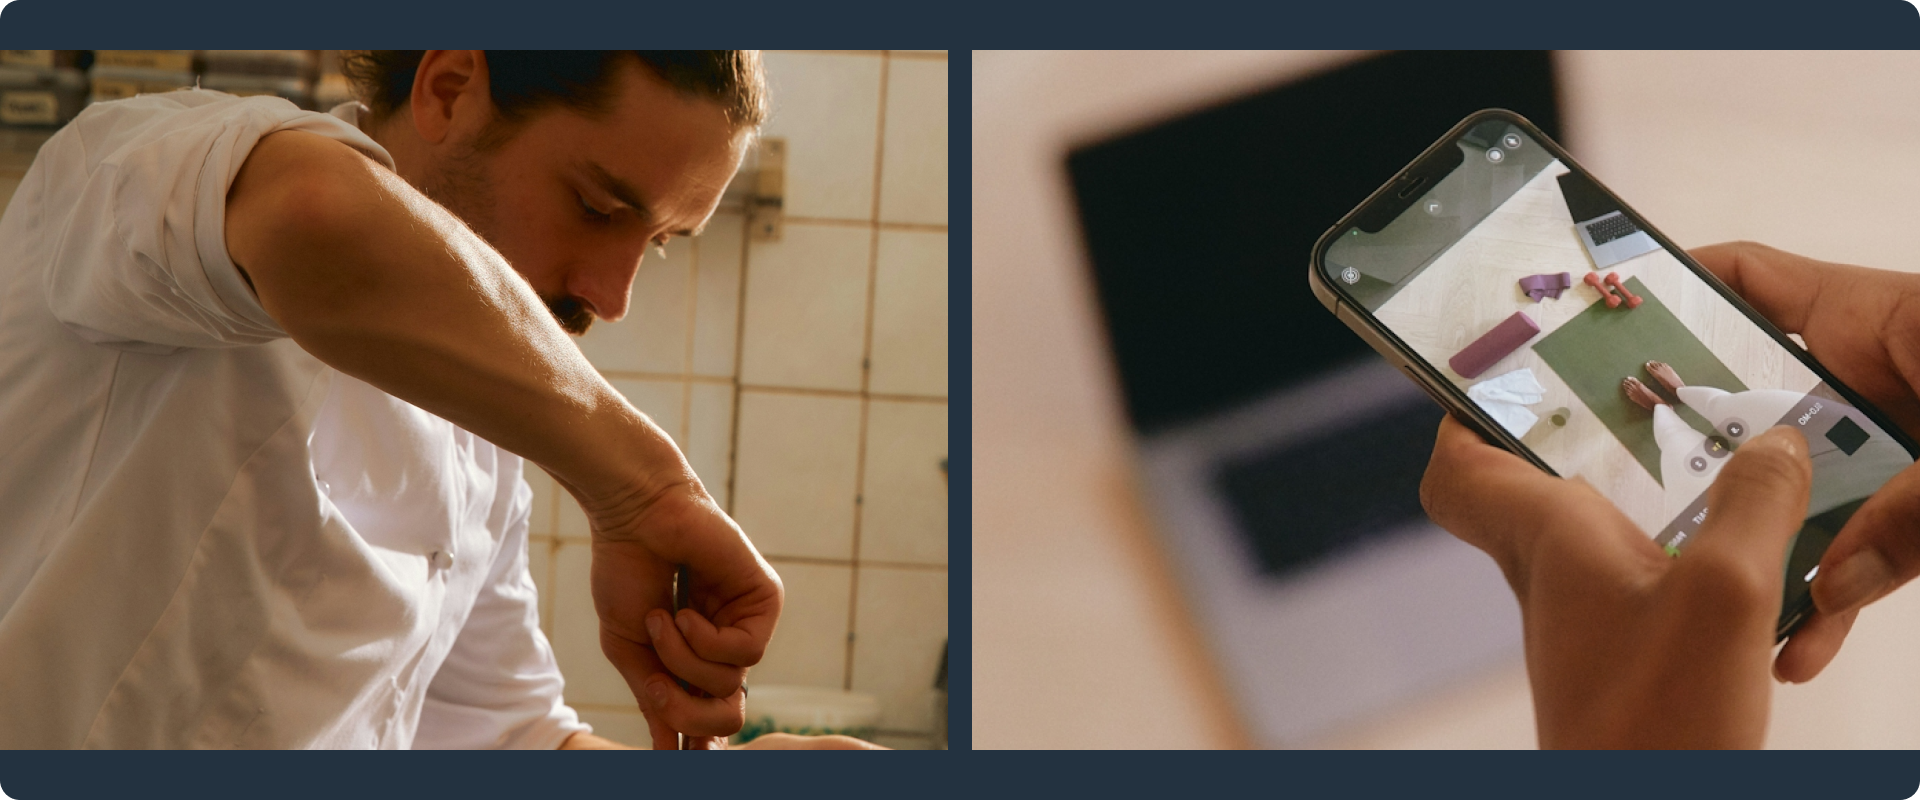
(960,399)
(1368,23)
(1734,24)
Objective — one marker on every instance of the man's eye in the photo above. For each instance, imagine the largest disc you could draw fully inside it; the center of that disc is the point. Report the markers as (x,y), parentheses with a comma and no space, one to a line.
(590,210)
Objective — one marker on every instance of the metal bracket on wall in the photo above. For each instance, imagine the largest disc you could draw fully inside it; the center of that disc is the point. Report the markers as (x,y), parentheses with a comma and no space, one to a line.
(769,191)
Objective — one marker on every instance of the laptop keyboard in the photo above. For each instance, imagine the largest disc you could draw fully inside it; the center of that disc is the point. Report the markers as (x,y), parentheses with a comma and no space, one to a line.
(1611,228)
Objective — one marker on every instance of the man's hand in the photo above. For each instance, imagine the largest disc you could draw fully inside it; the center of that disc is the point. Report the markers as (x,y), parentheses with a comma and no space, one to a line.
(735,599)
(1626,646)
(1864,325)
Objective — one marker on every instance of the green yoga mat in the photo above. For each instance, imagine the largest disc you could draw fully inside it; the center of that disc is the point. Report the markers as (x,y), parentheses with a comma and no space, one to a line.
(1601,346)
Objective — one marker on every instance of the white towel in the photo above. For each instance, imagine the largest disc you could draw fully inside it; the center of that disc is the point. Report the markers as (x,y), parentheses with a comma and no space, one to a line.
(1506,397)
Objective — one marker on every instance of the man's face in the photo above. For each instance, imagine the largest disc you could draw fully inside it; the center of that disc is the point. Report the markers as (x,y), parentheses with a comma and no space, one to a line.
(574,201)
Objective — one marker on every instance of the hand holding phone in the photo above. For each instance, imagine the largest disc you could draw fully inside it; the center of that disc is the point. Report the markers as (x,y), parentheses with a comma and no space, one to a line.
(1501,277)
(1625,646)
(1462,272)
(1852,320)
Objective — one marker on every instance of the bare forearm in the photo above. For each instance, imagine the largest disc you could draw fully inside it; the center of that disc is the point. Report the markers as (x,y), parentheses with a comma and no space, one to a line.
(582,740)
(377,281)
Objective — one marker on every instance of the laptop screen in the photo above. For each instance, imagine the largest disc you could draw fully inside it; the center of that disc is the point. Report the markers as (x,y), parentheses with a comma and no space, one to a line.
(1199,229)
(1585,201)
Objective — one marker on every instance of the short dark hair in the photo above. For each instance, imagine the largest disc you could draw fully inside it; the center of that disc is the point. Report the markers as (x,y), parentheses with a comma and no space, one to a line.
(524,81)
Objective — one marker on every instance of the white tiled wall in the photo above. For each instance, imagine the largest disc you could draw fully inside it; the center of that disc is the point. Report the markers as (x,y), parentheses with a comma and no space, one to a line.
(806,379)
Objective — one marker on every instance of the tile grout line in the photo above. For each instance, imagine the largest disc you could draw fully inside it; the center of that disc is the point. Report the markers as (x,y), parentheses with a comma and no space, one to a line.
(686,362)
(867,563)
(866,368)
(739,355)
(925,227)
(845,393)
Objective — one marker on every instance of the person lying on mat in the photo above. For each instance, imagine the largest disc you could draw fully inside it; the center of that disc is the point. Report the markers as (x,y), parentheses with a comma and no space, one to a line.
(1627,647)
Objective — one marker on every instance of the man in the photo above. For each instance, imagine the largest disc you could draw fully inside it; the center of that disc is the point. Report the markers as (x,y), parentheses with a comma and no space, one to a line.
(1627,647)
(266,380)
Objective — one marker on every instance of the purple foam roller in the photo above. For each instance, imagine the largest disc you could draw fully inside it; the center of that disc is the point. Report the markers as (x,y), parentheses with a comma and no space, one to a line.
(1494,345)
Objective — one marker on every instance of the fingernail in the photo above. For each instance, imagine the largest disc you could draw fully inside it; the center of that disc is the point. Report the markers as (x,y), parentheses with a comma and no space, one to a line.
(1857,579)
(657,693)
(653,626)
(683,621)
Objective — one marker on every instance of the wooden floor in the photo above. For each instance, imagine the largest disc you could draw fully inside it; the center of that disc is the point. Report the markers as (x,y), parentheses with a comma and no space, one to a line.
(1473,286)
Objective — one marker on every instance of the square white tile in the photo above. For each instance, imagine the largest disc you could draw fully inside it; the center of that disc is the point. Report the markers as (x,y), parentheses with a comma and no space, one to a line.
(827,107)
(795,473)
(653,335)
(626,727)
(910,314)
(903,508)
(540,519)
(809,647)
(716,317)
(899,627)
(540,566)
(913,165)
(663,401)
(710,437)
(806,308)
(576,634)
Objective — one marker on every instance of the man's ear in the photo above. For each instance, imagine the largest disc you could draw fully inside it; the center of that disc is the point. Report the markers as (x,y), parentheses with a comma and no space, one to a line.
(450,99)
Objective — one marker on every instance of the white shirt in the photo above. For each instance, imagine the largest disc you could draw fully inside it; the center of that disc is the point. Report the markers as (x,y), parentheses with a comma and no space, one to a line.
(208,538)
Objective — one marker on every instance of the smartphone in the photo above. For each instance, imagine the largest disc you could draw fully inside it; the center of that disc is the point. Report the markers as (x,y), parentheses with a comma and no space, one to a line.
(1536,306)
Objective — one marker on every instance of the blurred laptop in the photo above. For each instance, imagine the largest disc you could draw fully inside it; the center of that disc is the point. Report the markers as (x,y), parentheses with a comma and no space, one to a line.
(1282,458)
(1610,237)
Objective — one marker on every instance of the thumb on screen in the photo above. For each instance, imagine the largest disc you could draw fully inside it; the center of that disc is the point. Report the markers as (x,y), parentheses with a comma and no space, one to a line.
(1755,506)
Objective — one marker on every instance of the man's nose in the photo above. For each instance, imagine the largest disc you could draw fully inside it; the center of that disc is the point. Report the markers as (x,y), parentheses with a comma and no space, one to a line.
(607,286)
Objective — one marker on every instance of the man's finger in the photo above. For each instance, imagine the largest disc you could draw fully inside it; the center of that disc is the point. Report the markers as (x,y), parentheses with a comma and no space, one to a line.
(664,736)
(1813,646)
(1780,285)
(741,644)
(698,716)
(717,679)
(1877,551)
(1755,506)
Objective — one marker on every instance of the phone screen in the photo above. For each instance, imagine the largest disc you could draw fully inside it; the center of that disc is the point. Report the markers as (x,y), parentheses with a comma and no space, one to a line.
(1552,309)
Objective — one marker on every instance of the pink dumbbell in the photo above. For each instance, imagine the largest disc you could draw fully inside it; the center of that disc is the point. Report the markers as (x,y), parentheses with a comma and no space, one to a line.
(1613,279)
(1593,280)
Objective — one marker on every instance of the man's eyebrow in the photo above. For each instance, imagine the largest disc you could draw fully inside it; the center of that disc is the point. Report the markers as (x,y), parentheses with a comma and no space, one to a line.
(625,193)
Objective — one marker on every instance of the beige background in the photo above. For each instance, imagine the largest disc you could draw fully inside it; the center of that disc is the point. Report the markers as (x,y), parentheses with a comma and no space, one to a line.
(1079,638)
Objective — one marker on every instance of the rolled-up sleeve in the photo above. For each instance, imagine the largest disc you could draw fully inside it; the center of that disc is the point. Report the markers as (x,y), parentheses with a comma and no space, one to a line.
(141,260)
(500,686)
